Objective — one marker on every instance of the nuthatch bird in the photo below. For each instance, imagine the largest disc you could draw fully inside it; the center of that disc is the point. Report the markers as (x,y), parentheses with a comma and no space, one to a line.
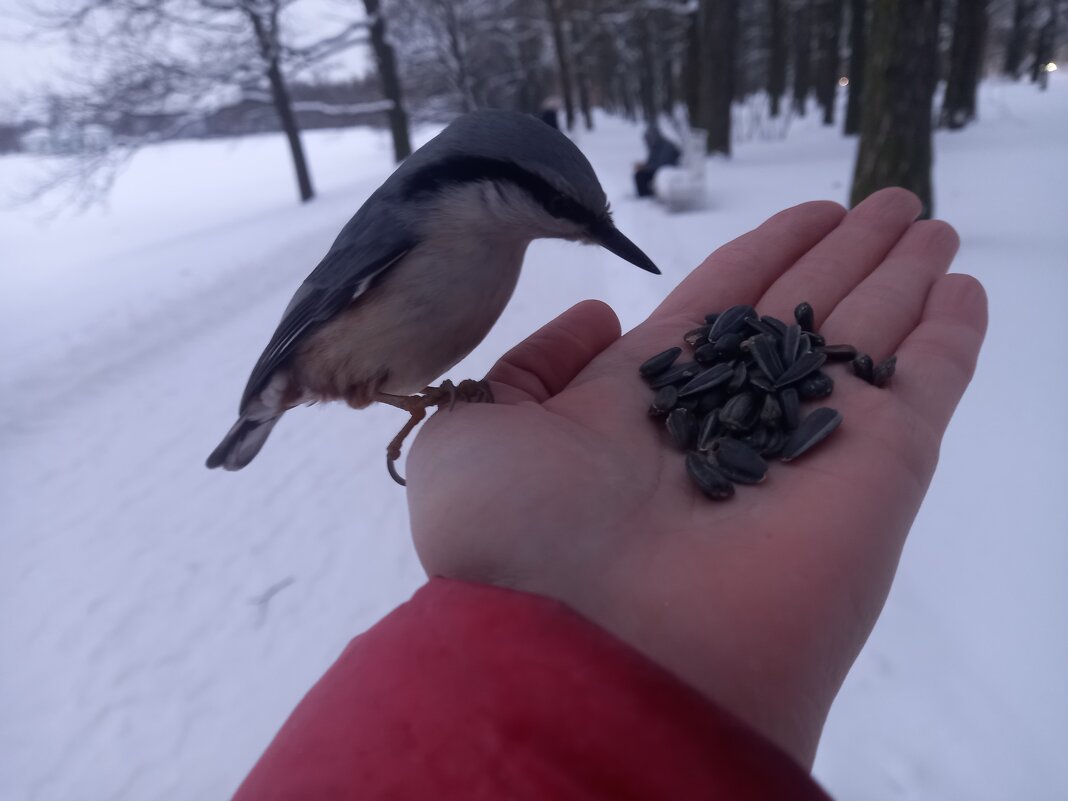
(419,275)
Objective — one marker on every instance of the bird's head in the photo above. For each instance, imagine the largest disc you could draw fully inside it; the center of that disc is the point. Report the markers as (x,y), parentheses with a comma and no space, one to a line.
(511,174)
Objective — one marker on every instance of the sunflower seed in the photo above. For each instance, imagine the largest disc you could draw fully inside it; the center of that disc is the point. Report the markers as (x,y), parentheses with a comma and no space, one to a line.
(863,367)
(815,428)
(708,379)
(765,353)
(805,365)
(690,404)
(840,353)
(791,344)
(711,318)
(777,326)
(707,432)
(757,438)
(805,317)
(708,477)
(776,439)
(711,400)
(818,340)
(771,412)
(682,427)
(790,402)
(740,412)
(697,337)
(761,326)
(738,461)
(738,379)
(659,363)
(759,379)
(817,385)
(732,321)
(884,371)
(728,344)
(664,401)
(680,372)
(705,354)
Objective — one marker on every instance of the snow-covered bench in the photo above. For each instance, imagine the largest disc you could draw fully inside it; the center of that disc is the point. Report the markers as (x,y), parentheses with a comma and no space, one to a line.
(682,188)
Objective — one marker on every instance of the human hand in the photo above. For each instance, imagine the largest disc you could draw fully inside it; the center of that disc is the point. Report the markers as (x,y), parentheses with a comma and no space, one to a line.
(563,487)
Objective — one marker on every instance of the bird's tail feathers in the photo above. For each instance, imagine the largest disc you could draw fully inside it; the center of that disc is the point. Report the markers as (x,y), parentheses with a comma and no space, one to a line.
(242,442)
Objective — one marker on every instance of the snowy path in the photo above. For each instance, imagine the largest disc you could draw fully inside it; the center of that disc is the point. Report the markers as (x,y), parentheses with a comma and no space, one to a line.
(159,620)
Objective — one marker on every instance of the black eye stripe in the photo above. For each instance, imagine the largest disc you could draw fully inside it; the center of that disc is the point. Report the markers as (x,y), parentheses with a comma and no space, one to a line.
(466,169)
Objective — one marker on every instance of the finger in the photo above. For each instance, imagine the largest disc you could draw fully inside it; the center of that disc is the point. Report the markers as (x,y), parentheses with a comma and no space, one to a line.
(741,270)
(889,303)
(546,361)
(942,350)
(830,270)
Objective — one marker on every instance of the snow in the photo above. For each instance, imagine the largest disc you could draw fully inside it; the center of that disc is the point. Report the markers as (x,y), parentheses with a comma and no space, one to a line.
(159,621)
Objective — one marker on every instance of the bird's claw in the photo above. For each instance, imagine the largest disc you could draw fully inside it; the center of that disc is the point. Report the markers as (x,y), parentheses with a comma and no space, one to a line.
(469,390)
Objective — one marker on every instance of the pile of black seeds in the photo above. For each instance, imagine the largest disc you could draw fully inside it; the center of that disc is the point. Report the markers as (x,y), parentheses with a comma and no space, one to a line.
(738,401)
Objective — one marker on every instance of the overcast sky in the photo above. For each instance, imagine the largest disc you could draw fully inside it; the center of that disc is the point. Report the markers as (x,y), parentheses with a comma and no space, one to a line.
(30,58)
(26,59)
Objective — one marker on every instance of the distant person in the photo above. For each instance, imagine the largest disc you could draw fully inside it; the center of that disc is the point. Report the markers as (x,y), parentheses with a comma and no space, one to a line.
(662,153)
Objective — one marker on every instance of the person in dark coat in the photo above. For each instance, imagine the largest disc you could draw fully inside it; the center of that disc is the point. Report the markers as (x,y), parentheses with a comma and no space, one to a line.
(662,153)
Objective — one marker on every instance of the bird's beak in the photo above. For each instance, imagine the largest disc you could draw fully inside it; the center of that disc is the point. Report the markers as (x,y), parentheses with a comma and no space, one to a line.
(608,236)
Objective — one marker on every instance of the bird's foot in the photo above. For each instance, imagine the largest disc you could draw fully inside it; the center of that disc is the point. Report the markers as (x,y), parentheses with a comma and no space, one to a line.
(447,393)
(469,390)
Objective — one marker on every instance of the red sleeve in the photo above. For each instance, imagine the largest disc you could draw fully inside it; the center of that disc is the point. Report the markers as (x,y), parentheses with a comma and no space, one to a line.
(472,692)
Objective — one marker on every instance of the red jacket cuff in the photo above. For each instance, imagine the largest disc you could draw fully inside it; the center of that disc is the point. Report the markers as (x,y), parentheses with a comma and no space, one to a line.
(473,692)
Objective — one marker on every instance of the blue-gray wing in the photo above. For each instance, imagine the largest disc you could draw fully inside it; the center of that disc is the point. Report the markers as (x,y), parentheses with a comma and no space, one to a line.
(344,274)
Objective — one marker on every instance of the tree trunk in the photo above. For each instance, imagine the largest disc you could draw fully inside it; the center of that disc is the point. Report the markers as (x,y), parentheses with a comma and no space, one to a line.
(776,55)
(584,69)
(802,55)
(965,61)
(828,31)
(895,139)
(647,82)
(858,37)
(458,50)
(1047,35)
(282,105)
(693,81)
(387,76)
(563,61)
(717,29)
(1021,30)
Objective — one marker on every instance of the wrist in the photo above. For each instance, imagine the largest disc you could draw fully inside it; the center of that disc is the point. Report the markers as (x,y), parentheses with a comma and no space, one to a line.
(712,650)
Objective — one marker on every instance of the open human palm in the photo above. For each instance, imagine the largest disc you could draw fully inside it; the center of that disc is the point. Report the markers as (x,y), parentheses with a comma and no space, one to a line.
(565,488)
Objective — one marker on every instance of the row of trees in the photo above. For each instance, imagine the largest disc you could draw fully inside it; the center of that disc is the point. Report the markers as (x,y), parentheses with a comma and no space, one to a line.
(177,62)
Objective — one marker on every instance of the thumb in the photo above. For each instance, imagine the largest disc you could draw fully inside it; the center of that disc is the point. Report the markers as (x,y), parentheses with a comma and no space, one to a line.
(546,362)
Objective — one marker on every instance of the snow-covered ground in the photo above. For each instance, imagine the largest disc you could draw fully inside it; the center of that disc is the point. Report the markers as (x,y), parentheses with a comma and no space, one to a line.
(159,621)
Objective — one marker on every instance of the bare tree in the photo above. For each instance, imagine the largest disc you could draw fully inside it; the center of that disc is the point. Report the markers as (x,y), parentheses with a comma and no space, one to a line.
(562,48)
(895,139)
(390,80)
(776,54)
(1045,43)
(828,24)
(858,37)
(802,52)
(1022,18)
(717,28)
(153,71)
(965,60)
